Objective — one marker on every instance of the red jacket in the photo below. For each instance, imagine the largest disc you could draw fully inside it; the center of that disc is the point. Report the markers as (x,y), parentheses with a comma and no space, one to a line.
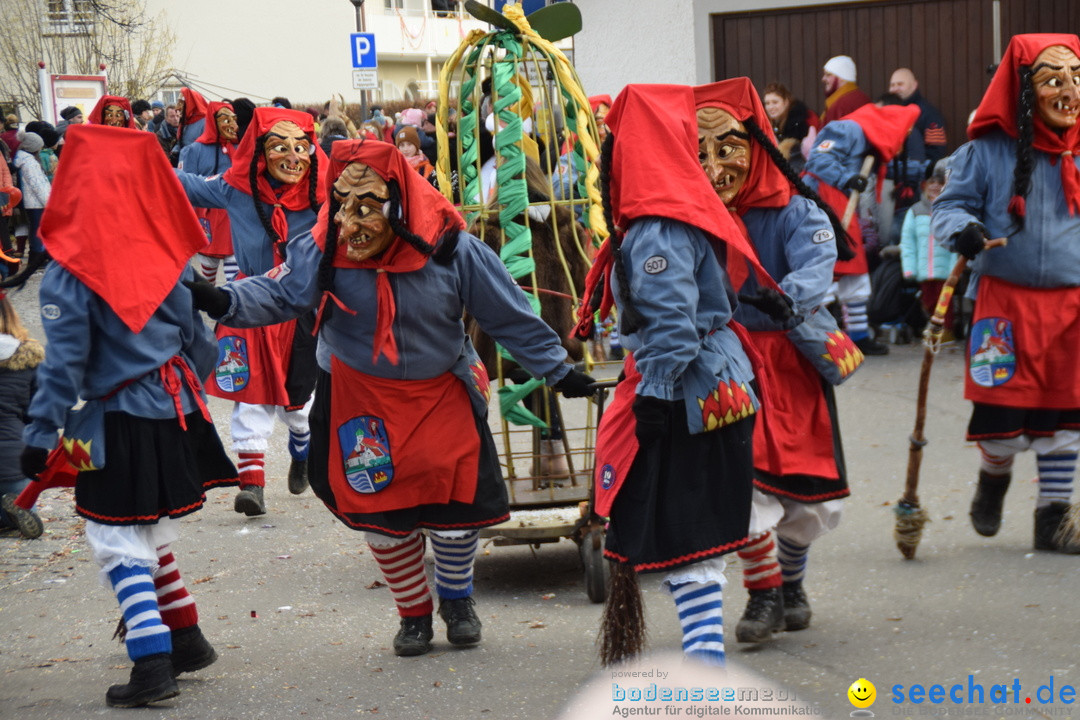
(847,97)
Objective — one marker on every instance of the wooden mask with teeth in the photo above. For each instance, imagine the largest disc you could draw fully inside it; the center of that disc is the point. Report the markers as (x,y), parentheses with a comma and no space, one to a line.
(288,153)
(1056,78)
(362,198)
(724,151)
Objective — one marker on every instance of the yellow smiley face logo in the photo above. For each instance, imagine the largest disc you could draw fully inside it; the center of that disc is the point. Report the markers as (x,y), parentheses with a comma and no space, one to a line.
(862,693)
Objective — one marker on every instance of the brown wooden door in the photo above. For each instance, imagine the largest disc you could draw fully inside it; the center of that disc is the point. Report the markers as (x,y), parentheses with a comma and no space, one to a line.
(949,44)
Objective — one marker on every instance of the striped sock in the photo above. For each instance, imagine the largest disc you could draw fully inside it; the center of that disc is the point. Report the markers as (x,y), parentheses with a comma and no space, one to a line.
(760,569)
(250,467)
(701,614)
(454,564)
(792,558)
(208,266)
(995,464)
(146,634)
(299,444)
(175,603)
(1055,478)
(856,320)
(231,268)
(402,566)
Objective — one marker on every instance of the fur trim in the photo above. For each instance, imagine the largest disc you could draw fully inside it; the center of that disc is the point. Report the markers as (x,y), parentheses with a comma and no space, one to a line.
(29,355)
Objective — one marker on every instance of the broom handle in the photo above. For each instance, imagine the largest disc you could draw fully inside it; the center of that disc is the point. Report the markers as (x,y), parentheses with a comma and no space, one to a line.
(937,323)
(853,199)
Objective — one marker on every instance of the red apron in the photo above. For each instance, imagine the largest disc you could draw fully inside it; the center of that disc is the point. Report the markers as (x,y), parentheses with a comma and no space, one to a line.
(837,200)
(800,437)
(218,231)
(1023,347)
(400,443)
(616,442)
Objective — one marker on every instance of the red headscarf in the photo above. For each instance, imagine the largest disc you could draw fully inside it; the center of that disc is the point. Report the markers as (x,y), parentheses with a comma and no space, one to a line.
(119,221)
(658,174)
(596,101)
(210,130)
(292,197)
(194,106)
(425,212)
(766,185)
(886,129)
(97,115)
(997,111)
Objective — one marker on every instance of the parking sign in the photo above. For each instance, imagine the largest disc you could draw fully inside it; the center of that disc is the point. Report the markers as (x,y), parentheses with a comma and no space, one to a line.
(363,50)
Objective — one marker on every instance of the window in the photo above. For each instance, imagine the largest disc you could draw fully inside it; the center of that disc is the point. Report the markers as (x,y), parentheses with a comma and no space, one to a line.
(394,4)
(69,17)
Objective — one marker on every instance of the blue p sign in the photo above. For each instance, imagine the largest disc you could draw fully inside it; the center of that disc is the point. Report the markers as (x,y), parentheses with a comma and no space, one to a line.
(363,50)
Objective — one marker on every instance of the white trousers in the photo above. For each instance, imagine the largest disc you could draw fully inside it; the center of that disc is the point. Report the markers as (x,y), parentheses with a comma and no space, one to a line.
(799,522)
(252,425)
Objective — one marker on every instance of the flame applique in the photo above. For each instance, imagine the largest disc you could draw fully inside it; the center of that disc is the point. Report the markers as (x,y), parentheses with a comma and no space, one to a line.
(843,352)
(728,403)
(78,452)
(480,379)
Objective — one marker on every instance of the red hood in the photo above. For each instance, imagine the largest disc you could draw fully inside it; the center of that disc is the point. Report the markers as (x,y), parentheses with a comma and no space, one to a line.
(210,130)
(97,115)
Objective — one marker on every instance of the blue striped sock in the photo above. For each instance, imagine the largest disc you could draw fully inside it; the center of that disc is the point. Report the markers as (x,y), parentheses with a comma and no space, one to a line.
(792,557)
(146,633)
(701,614)
(858,324)
(454,564)
(1055,477)
(299,445)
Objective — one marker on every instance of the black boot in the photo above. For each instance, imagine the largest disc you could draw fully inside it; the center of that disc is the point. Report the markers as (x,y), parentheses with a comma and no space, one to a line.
(414,636)
(870,346)
(462,624)
(27,521)
(1051,532)
(298,481)
(191,650)
(986,505)
(151,680)
(763,616)
(250,501)
(796,606)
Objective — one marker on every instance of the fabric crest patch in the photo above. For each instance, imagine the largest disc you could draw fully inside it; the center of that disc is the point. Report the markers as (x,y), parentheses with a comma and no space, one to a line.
(368,466)
(824,146)
(50,311)
(992,352)
(607,477)
(823,236)
(656,264)
(233,371)
(278,271)
(205,224)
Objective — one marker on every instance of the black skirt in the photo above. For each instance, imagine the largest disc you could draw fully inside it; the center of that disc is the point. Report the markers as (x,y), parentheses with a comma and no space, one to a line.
(686,498)
(153,469)
(490,505)
(997,422)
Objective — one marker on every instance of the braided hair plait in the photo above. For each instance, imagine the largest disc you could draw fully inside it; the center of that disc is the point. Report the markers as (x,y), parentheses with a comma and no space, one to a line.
(313,180)
(397,224)
(631,319)
(1025,134)
(325,273)
(843,242)
(253,179)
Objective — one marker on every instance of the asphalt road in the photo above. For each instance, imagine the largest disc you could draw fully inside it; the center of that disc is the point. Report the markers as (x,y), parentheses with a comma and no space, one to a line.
(290,602)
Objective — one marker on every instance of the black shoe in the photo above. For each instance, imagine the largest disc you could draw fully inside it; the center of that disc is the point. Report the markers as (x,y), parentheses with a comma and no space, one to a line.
(298,481)
(414,636)
(763,616)
(869,346)
(151,680)
(796,606)
(250,501)
(27,521)
(462,624)
(1052,531)
(986,505)
(191,650)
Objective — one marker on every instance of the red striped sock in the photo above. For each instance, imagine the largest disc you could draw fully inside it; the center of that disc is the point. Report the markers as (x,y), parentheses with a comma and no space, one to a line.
(402,567)
(175,603)
(250,466)
(994,464)
(761,570)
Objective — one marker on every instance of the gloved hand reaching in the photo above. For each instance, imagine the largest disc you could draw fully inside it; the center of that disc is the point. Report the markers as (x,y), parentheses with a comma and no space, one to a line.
(857,183)
(32,461)
(212,300)
(575,384)
(971,240)
(774,303)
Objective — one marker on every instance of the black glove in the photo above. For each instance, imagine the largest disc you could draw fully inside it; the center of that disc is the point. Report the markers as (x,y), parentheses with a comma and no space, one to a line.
(32,461)
(213,301)
(857,183)
(971,240)
(575,384)
(774,303)
(652,415)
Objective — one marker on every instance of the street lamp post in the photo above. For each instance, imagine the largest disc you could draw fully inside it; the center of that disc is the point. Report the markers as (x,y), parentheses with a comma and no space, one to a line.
(359,5)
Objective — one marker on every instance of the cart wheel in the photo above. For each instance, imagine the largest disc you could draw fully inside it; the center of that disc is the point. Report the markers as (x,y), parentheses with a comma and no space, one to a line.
(597,568)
